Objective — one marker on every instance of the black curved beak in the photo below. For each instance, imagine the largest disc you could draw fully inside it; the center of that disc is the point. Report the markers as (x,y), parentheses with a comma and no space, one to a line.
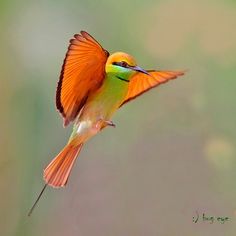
(139,69)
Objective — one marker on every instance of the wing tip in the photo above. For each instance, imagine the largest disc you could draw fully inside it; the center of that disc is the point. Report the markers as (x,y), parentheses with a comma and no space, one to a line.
(180,72)
(58,94)
(87,36)
(83,32)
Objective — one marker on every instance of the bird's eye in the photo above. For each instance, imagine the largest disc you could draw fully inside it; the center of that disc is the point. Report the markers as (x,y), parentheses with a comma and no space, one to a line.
(121,63)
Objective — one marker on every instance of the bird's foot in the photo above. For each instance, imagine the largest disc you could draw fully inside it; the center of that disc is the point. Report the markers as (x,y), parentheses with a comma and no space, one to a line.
(103,123)
(110,123)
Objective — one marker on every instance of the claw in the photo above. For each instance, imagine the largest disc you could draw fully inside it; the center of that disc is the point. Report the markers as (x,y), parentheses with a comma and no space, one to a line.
(103,123)
(110,123)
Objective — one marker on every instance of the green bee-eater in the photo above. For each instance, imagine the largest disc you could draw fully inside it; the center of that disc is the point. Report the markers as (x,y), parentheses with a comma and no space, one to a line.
(92,86)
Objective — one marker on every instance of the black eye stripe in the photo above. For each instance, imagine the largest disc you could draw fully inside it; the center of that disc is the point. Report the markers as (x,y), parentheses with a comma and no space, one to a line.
(121,63)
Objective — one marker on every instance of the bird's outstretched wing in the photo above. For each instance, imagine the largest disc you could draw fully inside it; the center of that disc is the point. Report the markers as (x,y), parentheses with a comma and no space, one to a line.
(141,83)
(82,73)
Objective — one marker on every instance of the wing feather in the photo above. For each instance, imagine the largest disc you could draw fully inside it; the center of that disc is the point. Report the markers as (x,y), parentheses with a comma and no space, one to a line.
(141,83)
(82,73)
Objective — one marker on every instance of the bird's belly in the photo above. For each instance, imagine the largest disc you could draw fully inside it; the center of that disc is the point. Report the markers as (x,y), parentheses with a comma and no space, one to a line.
(100,109)
(103,104)
(100,106)
(94,117)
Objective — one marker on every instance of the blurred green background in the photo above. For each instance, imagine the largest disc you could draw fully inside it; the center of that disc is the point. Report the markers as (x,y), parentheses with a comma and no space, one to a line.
(173,150)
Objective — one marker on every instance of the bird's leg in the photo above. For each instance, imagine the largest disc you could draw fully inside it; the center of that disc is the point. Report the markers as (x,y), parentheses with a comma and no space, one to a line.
(104,123)
(110,123)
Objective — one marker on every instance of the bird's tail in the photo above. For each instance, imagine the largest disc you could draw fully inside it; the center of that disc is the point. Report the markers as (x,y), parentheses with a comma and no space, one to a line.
(57,172)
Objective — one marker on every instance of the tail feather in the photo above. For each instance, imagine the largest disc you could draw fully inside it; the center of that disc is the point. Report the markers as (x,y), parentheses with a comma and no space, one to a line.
(57,172)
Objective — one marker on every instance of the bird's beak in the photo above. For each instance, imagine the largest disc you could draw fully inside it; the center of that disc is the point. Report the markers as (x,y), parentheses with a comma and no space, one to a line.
(139,69)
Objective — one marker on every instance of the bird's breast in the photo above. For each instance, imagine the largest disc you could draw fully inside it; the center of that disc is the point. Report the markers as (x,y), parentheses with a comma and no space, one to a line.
(106,100)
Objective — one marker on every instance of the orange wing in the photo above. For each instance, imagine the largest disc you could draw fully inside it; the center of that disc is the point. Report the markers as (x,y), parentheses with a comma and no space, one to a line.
(141,83)
(82,73)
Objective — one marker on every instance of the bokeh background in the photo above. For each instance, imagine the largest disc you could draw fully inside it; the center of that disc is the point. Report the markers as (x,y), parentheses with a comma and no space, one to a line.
(173,150)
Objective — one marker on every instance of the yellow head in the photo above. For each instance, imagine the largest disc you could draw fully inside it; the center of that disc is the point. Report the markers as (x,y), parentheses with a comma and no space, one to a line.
(122,65)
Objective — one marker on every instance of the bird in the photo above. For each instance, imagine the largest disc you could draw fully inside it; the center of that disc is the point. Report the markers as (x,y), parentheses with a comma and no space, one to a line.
(93,85)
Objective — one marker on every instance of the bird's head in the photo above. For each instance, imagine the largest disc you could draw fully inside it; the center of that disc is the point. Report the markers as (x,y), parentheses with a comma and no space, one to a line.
(123,65)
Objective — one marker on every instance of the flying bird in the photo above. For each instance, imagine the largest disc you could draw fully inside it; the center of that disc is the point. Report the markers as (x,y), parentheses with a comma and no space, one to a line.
(93,85)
